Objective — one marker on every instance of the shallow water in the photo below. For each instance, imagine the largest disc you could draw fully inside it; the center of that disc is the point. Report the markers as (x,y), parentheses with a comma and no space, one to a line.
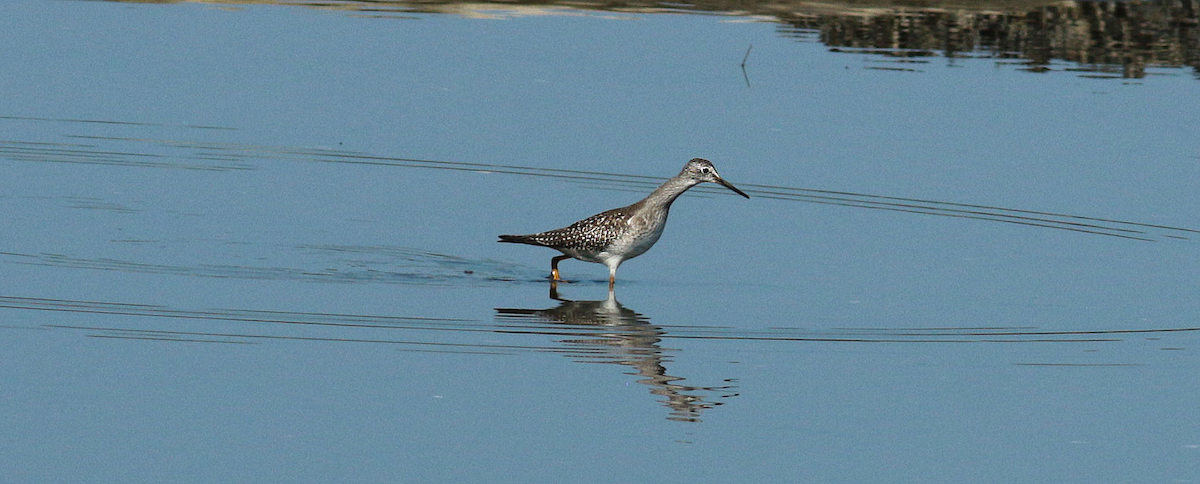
(258,243)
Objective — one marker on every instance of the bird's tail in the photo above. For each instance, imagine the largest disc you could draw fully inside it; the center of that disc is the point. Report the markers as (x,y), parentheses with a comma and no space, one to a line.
(518,239)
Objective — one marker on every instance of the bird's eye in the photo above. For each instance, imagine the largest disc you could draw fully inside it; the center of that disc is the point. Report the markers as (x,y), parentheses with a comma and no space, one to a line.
(705,171)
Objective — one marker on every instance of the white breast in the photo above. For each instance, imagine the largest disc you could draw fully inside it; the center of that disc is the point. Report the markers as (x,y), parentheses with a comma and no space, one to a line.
(642,235)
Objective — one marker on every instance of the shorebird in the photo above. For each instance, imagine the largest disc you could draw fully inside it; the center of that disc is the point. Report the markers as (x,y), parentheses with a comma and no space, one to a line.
(620,234)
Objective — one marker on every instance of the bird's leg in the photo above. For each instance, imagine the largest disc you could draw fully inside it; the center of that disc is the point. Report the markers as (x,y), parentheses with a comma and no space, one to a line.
(612,279)
(554,266)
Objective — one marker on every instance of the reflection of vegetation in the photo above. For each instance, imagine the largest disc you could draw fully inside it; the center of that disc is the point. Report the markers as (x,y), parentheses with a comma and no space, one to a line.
(1121,37)
(1100,36)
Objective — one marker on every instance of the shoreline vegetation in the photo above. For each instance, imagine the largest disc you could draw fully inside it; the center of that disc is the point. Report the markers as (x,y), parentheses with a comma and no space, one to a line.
(1117,39)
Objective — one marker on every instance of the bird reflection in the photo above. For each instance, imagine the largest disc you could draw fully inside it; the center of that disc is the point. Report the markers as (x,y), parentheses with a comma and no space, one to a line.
(607,332)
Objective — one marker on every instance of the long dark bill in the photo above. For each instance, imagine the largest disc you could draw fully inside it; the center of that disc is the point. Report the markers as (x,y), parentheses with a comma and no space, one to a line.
(731,187)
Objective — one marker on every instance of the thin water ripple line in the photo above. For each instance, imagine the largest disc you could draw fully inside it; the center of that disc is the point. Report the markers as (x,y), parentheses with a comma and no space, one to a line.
(232,157)
(550,323)
(350,264)
(91,155)
(280,319)
(1029,217)
(124,123)
(284,318)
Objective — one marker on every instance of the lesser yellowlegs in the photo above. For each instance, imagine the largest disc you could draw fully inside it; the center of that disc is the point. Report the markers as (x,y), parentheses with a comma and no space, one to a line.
(617,235)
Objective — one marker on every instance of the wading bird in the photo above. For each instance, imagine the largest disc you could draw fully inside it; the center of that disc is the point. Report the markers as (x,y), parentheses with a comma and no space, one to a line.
(617,235)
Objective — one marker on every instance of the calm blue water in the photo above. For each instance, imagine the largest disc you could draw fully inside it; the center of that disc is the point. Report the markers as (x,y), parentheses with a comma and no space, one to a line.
(258,244)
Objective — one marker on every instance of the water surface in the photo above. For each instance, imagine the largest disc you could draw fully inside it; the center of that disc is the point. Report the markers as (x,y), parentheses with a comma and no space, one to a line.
(257,242)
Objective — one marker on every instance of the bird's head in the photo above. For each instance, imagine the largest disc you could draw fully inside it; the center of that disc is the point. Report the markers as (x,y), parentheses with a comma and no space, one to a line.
(702,170)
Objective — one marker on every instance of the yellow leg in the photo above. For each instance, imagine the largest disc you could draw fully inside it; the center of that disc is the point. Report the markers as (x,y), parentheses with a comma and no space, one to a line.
(612,281)
(554,266)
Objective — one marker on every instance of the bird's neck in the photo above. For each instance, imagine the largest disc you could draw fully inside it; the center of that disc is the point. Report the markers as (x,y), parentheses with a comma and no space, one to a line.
(666,193)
